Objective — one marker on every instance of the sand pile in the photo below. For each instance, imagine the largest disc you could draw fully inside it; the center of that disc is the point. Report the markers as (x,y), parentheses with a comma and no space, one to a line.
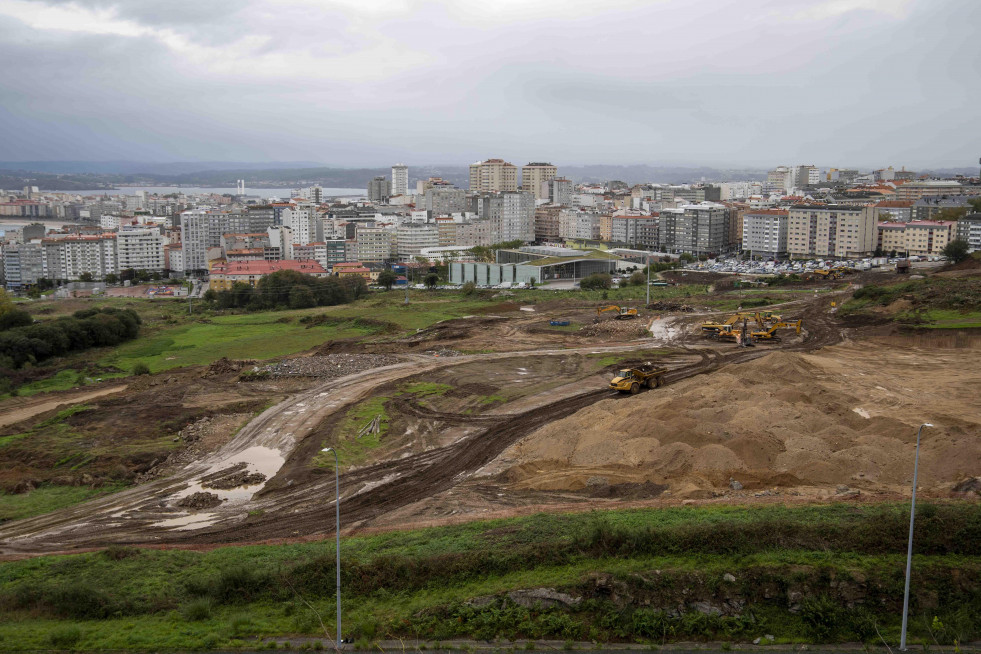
(847,415)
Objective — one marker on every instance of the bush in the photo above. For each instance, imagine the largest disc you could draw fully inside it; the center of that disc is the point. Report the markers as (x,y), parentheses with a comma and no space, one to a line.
(469,288)
(197,610)
(36,342)
(596,282)
(637,279)
(141,369)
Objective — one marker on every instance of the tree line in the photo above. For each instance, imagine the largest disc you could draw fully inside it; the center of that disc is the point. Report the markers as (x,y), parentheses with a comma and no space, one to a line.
(22,341)
(289,289)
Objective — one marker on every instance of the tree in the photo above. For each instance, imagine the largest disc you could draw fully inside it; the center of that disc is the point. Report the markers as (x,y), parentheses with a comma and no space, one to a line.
(469,288)
(975,204)
(956,250)
(111,278)
(387,279)
(6,302)
(301,297)
(878,251)
(687,257)
(431,280)
(210,296)
(531,282)
(950,213)
(637,279)
(85,277)
(596,282)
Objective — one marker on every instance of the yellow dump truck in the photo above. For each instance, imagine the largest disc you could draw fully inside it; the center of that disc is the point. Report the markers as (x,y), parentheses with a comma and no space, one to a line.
(630,380)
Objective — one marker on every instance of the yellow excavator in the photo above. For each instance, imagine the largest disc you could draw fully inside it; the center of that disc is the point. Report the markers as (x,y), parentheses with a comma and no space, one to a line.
(713,329)
(623,313)
(771,333)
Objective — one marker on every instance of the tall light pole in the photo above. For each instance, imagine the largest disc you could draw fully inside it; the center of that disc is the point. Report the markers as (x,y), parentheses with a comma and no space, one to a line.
(648,279)
(909,547)
(337,532)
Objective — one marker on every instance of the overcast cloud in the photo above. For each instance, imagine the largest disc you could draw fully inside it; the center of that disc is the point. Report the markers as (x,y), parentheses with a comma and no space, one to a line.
(369,82)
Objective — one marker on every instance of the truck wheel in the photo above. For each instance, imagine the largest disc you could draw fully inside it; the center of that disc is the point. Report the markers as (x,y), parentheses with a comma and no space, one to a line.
(659,382)
(649,382)
(634,388)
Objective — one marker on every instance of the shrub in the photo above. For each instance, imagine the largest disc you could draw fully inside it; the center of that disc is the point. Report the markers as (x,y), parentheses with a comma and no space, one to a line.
(597,281)
(197,610)
(141,369)
(469,288)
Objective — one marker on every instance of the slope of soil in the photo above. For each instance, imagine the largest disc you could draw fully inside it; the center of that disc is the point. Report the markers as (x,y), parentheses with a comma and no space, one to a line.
(844,416)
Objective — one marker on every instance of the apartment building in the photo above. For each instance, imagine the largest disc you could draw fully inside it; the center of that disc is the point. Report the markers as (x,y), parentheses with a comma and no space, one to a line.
(326,253)
(929,207)
(840,231)
(375,244)
(575,224)
(764,233)
(916,238)
(69,256)
(894,210)
(379,189)
(779,180)
(493,175)
(534,176)
(634,230)
(969,229)
(547,223)
(442,201)
(695,229)
(412,238)
(400,179)
(201,229)
(252,220)
(511,214)
(926,188)
(23,264)
(305,221)
(560,191)
(140,249)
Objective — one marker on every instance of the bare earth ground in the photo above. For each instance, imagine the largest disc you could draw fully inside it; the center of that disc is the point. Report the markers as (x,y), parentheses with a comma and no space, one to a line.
(16,410)
(831,413)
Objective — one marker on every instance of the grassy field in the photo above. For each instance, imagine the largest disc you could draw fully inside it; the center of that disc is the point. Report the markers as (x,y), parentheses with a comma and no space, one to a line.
(805,574)
(930,303)
(45,499)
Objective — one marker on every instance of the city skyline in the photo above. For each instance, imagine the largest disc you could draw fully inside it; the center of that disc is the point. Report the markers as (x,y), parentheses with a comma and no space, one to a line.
(724,84)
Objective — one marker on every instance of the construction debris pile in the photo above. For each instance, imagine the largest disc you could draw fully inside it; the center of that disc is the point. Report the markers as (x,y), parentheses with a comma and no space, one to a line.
(199,500)
(666,305)
(232,477)
(329,366)
(623,328)
(224,365)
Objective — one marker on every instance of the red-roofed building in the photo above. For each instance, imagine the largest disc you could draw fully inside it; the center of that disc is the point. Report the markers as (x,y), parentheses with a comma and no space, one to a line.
(351,268)
(250,272)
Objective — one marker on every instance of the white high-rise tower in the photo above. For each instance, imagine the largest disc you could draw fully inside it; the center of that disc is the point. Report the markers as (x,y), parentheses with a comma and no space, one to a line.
(400,179)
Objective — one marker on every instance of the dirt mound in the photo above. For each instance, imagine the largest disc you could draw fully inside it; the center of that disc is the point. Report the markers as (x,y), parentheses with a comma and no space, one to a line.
(199,500)
(224,366)
(232,477)
(847,416)
(666,305)
(634,327)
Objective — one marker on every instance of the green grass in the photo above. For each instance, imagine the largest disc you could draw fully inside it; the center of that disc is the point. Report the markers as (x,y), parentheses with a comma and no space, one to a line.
(611,359)
(352,449)
(945,319)
(415,584)
(47,498)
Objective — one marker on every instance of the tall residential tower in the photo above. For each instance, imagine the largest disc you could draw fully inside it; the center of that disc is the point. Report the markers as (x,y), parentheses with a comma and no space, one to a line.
(400,179)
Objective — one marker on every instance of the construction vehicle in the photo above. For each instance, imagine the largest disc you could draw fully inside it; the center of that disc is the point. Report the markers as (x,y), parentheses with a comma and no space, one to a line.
(713,328)
(623,313)
(902,266)
(630,380)
(771,333)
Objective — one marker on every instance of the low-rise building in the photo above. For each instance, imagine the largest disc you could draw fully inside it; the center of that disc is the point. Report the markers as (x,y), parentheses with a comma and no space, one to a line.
(250,272)
(354,269)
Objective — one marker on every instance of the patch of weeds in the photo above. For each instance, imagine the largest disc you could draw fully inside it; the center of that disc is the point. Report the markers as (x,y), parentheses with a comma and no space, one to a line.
(197,610)
(65,636)
(423,389)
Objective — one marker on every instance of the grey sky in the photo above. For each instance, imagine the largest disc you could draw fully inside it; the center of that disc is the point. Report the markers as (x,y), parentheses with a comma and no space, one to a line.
(369,82)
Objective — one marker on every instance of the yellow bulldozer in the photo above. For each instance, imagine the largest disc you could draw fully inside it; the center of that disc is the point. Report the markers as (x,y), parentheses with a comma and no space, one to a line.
(622,313)
(771,333)
(631,380)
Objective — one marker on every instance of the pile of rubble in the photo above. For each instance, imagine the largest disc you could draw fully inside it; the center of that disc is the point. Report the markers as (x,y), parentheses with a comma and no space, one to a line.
(619,327)
(664,305)
(197,501)
(442,352)
(328,366)
(224,365)
(232,477)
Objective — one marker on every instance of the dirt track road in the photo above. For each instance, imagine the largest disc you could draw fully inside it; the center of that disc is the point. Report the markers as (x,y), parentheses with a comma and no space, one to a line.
(13,411)
(145,514)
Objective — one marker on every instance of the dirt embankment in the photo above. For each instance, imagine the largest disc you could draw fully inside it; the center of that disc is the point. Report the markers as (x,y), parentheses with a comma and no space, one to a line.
(811,422)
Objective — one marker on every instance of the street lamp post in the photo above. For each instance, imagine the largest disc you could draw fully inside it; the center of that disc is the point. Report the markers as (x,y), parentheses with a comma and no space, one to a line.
(909,547)
(337,532)
(648,279)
